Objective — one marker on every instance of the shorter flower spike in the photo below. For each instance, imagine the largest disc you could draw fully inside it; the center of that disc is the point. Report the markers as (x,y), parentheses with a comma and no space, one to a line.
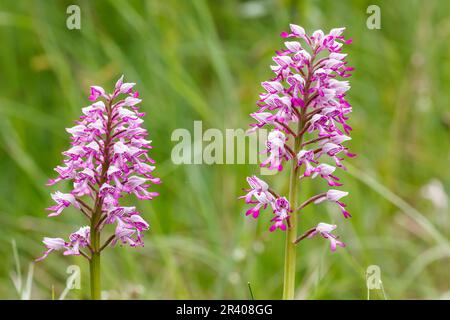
(108,159)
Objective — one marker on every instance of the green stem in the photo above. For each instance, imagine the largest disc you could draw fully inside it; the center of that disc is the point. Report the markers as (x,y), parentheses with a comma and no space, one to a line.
(94,264)
(95,276)
(291,233)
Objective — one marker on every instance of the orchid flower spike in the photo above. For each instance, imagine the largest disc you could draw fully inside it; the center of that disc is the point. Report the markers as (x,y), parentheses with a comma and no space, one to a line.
(107,160)
(305,108)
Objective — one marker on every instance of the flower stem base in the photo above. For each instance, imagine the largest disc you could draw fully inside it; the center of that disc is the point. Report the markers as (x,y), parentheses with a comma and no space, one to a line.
(290,250)
(94,267)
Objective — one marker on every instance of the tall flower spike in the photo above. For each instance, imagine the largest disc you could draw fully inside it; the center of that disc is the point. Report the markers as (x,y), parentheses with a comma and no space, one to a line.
(107,160)
(305,108)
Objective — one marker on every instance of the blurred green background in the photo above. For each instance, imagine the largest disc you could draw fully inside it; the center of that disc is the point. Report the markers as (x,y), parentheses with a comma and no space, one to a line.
(204,60)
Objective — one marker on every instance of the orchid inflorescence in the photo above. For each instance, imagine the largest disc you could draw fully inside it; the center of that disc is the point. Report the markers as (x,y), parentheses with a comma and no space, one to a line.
(304,104)
(107,160)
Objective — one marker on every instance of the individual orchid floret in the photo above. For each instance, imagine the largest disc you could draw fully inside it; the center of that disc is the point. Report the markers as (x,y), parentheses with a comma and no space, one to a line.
(296,31)
(333,149)
(334,196)
(63,200)
(52,244)
(77,240)
(259,194)
(277,150)
(282,107)
(323,229)
(129,230)
(305,157)
(324,125)
(281,210)
(326,171)
(262,118)
(108,159)
(97,92)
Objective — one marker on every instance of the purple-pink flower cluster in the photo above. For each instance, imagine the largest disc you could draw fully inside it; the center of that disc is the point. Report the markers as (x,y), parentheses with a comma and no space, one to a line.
(305,107)
(107,160)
